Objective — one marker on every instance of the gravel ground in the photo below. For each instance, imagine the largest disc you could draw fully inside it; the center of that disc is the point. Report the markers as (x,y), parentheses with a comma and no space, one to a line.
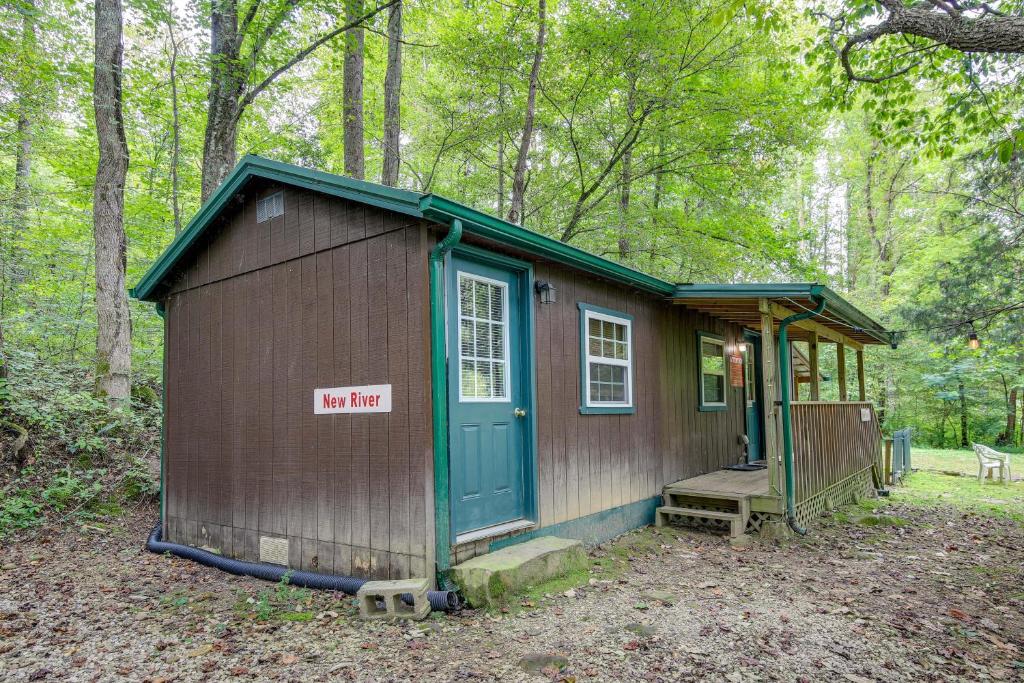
(938,598)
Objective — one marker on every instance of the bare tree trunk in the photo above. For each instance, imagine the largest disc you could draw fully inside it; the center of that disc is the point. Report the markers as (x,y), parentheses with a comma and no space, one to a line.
(113,330)
(515,212)
(1007,437)
(175,124)
(625,182)
(501,149)
(227,79)
(352,107)
(392,99)
(962,392)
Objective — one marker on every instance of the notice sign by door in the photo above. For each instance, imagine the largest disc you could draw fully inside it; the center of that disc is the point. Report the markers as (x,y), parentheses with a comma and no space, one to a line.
(736,371)
(374,398)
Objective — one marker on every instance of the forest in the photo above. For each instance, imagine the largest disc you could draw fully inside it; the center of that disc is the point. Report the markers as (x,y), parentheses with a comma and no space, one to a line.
(871,146)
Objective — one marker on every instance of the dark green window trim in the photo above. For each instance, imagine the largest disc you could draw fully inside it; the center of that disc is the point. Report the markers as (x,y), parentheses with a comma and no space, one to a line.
(584,386)
(712,407)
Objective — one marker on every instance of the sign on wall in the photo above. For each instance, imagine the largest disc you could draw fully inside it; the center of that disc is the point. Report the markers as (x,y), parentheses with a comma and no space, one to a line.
(735,371)
(373,398)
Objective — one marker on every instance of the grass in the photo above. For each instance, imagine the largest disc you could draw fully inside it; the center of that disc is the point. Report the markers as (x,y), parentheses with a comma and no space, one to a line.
(988,498)
(951,460)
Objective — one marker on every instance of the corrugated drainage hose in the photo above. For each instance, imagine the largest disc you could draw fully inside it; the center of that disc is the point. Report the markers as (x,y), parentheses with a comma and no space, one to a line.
(441,601)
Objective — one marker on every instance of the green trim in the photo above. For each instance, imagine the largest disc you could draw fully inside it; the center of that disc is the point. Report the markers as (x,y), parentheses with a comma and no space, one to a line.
(528,371)
(162,312)
(787,419)
(439,403)
(701,406)
(481,224)
(837,305)
(584,388)
(592,529)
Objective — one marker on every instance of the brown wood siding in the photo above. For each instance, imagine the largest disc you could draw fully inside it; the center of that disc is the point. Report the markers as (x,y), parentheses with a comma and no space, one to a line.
(589,463)
(332,293)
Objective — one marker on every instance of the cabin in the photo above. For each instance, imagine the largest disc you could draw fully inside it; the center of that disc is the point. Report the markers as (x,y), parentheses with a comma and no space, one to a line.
(371,382)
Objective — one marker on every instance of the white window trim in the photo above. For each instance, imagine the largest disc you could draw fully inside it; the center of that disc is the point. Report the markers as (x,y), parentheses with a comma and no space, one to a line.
(589,315)
(725,369)
(458,341)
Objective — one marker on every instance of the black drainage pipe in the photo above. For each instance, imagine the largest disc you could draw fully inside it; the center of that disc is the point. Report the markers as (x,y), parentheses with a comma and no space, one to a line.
(441,601)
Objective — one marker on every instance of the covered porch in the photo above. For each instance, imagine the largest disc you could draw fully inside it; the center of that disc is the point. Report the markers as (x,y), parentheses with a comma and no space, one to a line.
(828,447)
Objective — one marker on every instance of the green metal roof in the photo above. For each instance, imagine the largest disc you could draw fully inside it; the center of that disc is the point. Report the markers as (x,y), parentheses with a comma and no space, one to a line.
(442,210)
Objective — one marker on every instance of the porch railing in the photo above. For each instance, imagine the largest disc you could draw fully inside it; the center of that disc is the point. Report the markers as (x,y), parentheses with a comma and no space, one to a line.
(831,442)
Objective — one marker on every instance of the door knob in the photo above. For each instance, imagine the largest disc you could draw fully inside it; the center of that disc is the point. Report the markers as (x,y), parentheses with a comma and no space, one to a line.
(519,412)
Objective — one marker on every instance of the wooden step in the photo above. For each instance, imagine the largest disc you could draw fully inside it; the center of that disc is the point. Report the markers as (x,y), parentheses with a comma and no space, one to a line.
(737,521)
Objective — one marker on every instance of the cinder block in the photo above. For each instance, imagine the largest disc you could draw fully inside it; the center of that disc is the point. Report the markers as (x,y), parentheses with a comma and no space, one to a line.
(383,599)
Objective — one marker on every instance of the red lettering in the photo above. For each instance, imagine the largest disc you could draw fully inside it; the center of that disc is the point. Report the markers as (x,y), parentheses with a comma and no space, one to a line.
(327,401)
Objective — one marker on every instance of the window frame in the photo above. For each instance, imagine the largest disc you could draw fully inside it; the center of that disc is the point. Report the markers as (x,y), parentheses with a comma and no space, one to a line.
(720,341)
(587,407)
(459,277)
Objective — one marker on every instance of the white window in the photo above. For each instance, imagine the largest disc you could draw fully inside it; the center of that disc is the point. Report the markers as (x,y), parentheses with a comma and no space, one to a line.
(607,360)
(483,340)
(269,207)
(712,371)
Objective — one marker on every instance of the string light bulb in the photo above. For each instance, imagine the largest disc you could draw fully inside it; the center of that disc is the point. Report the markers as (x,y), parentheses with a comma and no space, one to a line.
(972,338)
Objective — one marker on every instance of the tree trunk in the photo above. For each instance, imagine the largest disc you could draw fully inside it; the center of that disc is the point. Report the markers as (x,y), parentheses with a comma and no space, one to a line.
(227,79)
(1010,432)
(352,107)
(515,212)
(113,324)
(625,182)
(392,98)
(963,416)
(175,126)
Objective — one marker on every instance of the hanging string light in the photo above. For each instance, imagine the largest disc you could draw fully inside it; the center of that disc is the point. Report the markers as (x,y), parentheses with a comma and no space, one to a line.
(972,337)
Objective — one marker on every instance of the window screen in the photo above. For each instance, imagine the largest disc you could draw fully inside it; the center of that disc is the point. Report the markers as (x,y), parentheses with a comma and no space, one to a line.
(483,339)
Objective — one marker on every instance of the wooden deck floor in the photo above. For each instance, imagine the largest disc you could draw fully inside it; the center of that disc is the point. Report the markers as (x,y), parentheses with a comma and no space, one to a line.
(731,484)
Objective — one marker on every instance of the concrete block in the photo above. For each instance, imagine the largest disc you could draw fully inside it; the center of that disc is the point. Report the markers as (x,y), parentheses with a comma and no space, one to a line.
(383,599)
(487,580)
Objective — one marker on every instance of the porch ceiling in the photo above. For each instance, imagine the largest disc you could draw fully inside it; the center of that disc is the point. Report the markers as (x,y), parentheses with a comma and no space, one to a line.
(741,304)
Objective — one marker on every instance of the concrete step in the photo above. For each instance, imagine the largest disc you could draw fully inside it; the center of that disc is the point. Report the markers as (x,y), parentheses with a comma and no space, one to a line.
(489,580)
(737,521)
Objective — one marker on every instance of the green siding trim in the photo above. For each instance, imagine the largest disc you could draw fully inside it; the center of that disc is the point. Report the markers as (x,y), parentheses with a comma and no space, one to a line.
(584,389)
(592,529)
(701,406)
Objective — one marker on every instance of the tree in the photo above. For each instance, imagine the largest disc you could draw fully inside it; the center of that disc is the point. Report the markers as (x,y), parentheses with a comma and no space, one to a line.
(902,58)
(352,111)
(113,332)
(392,98)
(241,68)
(515,212)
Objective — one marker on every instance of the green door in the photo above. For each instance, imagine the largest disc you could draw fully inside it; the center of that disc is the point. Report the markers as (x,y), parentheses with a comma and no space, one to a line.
(487,394)
(752,393)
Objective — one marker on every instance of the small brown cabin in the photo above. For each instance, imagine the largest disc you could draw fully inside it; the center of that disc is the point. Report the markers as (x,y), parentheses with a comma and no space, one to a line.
(367,381)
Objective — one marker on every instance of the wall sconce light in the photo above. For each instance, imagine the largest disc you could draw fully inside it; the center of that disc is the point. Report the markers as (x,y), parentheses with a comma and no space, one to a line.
(546,292)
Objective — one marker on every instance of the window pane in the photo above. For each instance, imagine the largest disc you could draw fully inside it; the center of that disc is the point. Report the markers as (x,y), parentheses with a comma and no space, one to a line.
(465,297)
(594,328)
(483,340)
(714,389)
(499,380)
(467,339)
(594,347)
(712,358)
(468,375)
(497,341)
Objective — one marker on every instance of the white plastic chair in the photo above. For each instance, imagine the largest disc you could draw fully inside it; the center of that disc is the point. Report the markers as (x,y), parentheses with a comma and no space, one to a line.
(989,459)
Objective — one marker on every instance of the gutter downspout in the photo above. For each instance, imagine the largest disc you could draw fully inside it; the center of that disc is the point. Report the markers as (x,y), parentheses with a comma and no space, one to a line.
(439,403)
(787,425)
(162,312)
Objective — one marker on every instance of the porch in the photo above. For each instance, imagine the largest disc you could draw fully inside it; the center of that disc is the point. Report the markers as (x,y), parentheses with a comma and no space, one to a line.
(829,447)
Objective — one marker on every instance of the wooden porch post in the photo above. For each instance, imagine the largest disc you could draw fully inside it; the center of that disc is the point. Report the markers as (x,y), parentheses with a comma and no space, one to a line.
(812,353)
(861,392)
(841,368)
(769,372)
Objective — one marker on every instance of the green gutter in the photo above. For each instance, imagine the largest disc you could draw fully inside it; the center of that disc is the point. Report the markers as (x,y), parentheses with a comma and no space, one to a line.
(160,311)
(439,402)
(787,421)
(483,225)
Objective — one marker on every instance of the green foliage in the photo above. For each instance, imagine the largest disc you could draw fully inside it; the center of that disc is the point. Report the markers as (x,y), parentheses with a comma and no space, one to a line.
(19,510)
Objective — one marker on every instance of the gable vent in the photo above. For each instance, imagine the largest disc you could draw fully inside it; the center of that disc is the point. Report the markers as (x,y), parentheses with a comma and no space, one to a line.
(270,207)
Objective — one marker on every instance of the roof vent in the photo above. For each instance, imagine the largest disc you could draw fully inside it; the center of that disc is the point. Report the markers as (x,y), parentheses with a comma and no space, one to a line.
(270,207)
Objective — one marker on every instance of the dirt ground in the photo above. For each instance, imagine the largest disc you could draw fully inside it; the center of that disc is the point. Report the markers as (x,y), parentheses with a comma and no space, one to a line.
(919,593)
